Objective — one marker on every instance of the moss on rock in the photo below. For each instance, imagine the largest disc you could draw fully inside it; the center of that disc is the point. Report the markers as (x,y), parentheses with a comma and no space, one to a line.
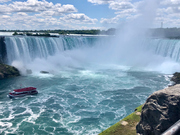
(7,71)
(126,126)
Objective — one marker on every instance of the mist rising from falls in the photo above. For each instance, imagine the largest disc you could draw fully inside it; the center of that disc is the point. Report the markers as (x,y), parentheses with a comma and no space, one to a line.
(48,54)
(128,42)
(53,54)
(130,47)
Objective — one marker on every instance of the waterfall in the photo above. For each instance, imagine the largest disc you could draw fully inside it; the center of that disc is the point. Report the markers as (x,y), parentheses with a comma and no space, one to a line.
(27,49)
(78,51)
(169,48)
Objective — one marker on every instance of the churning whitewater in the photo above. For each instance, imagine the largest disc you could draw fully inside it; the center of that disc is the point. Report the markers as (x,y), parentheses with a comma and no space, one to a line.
(91,85)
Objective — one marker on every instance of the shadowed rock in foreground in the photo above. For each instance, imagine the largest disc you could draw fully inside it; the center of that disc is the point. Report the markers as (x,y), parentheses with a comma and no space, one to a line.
(7,71)
(161,110)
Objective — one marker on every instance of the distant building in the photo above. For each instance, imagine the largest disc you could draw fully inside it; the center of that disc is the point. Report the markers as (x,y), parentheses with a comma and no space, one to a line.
(161,24)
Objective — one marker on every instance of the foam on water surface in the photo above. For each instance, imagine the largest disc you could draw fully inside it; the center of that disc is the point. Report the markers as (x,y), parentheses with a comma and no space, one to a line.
(90,86)
(76,101)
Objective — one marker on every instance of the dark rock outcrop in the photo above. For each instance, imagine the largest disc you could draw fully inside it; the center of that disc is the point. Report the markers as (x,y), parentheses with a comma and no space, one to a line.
(44,72)
(3,52)
(176,78)
(7,71)
(161,110)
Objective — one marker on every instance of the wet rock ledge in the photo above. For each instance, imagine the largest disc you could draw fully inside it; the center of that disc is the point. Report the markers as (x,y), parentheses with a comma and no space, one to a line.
(161,110)
(7,71)
(176,78)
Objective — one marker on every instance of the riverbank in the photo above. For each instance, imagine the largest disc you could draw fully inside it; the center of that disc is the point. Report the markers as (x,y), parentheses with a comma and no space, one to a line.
(161,108)
(126,126)
(7,71)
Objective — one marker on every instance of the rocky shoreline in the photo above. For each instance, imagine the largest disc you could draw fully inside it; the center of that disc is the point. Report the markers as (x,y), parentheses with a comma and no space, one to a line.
(7,71)
(176,78)
(160,111)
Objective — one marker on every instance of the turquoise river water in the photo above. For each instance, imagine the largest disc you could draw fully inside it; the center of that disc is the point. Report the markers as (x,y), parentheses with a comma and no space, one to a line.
(90,85)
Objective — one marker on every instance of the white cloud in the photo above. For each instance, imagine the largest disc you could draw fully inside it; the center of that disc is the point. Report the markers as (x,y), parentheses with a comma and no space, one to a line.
(24,21)
(34,14)
(4,9)
(78,18)
(127,12)
(170,2)
(113,20)
(37,6)
(120,5)
(173,4)
(42,14)
(3,1)
(58,10)
(5,16)
(100,1)
(168,13)
(22,14)
(124,9)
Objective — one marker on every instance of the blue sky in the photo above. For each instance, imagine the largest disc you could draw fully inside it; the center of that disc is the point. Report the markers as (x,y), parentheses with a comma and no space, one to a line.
(87,14)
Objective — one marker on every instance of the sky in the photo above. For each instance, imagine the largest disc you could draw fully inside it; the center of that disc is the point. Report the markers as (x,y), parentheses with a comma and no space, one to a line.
(86,14)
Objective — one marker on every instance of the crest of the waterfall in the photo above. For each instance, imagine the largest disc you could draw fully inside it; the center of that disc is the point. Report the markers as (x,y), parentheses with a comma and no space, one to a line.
(46,53)
(52,54)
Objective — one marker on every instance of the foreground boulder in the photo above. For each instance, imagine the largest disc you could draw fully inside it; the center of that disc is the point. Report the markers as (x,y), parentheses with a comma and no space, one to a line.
(161,110)
(7,71)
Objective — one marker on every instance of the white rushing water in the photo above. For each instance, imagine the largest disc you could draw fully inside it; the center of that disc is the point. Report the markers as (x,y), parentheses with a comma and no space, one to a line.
(68,51)
(91,85)
(93,82)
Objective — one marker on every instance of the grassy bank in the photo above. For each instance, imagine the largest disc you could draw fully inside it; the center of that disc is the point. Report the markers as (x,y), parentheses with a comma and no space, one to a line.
(126,126)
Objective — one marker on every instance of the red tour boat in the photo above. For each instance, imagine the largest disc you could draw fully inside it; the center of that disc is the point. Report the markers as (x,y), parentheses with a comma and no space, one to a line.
(23,92)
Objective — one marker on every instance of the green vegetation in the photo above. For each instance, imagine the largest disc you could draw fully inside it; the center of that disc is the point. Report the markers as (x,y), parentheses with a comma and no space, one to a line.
(154,32)
(110,31)
(91,32)
(7,71)
(126,126)
(15,33)
(38,34)
(31,34)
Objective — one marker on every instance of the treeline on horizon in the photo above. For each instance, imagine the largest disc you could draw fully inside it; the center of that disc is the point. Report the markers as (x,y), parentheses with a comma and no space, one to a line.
(154,32)
(110,31)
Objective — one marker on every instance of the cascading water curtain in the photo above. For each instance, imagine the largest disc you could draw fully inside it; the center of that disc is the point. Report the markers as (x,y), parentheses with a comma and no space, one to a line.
(26,49)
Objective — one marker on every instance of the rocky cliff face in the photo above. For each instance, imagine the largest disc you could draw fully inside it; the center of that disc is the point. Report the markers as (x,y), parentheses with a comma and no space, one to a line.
(161,110)
(3,52)
(176,78)
(8,71)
